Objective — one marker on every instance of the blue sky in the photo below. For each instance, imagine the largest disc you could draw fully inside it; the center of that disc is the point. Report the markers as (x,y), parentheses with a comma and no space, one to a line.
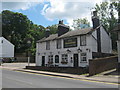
(49,12)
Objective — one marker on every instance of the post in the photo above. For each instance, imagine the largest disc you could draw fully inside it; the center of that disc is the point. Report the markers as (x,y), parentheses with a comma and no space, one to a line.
(118,44)
(28,60)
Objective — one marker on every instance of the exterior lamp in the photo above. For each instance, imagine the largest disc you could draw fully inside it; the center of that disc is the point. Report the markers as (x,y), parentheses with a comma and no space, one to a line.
(88,49)
(58,52)
(38,53)
(44,53)
(79,50)
(68,51)
(50,53)
(29,44)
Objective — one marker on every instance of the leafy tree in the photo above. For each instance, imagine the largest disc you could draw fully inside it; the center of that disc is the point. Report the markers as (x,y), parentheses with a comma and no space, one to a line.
(36,32)
(107,13)
(53,29)
(14,26)
(80,23)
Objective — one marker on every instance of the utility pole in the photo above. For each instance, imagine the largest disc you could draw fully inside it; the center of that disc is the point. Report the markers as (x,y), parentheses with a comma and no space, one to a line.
(1,25)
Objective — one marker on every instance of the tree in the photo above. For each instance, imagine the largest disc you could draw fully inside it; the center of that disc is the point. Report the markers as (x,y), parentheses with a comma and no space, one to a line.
(80,23)
(14,26)
(53,29)
(107,13)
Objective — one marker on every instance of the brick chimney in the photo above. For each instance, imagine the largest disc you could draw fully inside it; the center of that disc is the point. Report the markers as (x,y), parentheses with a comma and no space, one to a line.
(96,24)
(47,33)
(62,29)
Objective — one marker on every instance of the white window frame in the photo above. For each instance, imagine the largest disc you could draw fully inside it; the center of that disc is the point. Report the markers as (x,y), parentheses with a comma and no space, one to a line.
(58,44)
(83,40)
(48,45)
(50,58)
(57,59)
(65,57)
(83,55)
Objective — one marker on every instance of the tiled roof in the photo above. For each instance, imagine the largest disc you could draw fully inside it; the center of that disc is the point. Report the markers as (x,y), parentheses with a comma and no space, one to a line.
(76,32)
(68,34)
(51,37)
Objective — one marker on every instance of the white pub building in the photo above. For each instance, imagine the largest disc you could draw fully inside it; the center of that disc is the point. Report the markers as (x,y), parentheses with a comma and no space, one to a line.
(73,48)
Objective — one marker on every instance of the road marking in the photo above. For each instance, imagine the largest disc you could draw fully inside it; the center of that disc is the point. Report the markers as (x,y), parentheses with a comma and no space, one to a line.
(19,80)
(70,78)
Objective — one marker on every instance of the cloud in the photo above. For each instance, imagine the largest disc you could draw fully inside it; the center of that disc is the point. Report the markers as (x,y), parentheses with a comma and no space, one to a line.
(69,9)
(19,4)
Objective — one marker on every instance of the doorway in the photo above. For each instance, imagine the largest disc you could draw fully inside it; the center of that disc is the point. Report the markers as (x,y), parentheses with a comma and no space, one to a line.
(43,60)
(75,60)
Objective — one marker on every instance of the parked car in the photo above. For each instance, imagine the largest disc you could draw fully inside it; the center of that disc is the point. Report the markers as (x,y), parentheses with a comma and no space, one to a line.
(8,60)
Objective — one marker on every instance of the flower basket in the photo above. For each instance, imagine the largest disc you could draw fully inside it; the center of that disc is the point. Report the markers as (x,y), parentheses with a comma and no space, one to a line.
(63,62)
(50,62)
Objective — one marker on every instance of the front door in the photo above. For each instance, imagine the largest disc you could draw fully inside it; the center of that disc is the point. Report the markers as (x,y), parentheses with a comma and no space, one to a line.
(75,60)
(43,60)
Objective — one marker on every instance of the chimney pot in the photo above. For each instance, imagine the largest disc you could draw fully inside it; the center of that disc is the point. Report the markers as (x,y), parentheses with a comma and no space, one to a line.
(60,21)
(94,13)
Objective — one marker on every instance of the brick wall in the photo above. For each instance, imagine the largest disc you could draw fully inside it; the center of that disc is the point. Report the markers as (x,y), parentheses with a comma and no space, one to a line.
(70,70)
(102,64)
(25,59)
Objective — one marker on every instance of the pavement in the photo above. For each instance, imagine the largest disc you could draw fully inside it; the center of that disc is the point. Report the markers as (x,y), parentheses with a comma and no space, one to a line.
(102,77)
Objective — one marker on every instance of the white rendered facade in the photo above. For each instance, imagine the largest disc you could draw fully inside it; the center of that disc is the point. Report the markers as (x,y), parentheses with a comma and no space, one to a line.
(86,50)
(6,48)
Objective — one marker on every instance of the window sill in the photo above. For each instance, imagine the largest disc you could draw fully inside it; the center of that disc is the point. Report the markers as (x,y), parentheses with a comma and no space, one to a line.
(83,62)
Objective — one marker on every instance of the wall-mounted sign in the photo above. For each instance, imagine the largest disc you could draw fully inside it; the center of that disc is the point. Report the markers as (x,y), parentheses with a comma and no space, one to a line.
(70,42)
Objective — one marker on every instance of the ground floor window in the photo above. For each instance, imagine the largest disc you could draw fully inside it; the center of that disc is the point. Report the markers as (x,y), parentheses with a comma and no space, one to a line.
(64,59)
(56,58)
(50,59)
(83,57)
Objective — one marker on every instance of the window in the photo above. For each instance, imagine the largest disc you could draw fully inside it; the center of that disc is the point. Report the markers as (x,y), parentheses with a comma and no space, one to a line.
(48,45)
(50,58)
(70,42)
(83,57)
(1,41)
(64,57)
(83,40)
(59,44)
(57,59)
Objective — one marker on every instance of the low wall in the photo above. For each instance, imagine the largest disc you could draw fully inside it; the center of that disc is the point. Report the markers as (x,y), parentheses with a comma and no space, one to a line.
(102,64)
(24,59)
(70,70)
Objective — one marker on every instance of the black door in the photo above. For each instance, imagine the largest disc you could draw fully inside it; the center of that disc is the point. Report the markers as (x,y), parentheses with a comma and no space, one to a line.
(43,60)
(75,60)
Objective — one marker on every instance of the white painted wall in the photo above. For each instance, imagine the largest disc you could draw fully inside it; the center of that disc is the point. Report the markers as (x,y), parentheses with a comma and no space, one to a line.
(118,46)
(91,44)
(6,48)
(41,48)
(106,44)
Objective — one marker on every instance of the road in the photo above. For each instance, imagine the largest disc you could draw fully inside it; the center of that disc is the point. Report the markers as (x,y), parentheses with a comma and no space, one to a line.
(14,79)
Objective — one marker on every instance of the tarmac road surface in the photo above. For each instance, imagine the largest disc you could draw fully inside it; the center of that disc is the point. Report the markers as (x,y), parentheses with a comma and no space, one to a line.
(14,79)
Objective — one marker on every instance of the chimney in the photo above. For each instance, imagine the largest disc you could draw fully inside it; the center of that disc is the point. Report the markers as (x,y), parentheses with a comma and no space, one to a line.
(61,22)
(96,23)
(119,14)
(62,29)
(47,33)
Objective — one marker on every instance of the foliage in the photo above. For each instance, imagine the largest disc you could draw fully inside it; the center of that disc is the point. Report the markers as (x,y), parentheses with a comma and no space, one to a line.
(53,29)
(80,23)
(15,26)
(107,13)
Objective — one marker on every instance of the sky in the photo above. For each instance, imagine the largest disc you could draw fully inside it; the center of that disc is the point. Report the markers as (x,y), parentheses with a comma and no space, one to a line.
(49,12)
